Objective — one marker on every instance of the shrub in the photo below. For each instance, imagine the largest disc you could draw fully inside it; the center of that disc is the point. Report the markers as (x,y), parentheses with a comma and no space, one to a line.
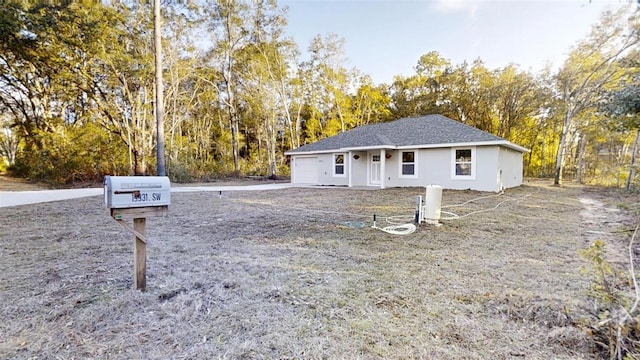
(613,322)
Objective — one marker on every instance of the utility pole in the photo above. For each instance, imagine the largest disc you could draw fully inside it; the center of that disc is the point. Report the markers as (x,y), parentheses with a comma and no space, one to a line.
(157,32)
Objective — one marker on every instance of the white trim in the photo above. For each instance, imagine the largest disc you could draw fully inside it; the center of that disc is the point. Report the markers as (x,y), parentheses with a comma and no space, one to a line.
(504,143)
(302,153)
(374,147)
(473,163)
(349,157)
(344,164)
(415,164)
(344,149)
(383,162)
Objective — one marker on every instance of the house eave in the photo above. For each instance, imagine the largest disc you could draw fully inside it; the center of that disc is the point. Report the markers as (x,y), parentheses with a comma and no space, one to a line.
(341,150)
(366,148)
(295,153)
(512,146)
(467,144)
(504,143)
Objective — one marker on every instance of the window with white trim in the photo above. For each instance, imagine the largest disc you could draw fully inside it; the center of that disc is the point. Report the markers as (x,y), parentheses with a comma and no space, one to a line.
(338,165)
(408,164)
(464,163)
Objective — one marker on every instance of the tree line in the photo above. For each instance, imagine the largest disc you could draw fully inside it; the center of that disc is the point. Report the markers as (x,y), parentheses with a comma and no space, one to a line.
(77,94)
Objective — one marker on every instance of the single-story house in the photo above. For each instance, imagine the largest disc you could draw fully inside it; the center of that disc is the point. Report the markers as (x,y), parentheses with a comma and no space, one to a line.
(417,151)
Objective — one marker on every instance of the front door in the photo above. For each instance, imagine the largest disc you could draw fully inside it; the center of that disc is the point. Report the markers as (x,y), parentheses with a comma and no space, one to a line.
(374,167)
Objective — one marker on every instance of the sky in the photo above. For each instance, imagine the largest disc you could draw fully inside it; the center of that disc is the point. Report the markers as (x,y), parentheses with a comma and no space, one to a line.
(385,38)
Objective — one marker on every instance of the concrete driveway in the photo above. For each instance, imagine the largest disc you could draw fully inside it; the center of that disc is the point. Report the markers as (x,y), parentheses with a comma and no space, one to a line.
(16,198)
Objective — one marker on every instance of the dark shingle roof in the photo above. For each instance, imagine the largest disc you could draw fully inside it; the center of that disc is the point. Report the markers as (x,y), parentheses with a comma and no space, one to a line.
(426,130)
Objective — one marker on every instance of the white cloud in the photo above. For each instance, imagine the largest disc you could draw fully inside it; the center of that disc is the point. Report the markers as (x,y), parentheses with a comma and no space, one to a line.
(469,7)
(450,5)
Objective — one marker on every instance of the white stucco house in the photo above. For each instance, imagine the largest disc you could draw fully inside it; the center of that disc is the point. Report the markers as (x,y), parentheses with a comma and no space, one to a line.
(417,151)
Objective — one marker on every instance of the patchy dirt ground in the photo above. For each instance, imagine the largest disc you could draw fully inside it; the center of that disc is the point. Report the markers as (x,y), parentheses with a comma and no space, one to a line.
(277,274)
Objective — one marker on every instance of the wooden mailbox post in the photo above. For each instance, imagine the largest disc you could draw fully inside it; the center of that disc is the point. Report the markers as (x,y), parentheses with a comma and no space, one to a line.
(137,197)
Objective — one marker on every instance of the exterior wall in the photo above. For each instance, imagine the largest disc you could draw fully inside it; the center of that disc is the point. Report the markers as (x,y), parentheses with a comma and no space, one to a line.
(393,171)
(436,167)
(325,170)
(487,160)
(433,168)
(511,166)
(494,167)
(359,168)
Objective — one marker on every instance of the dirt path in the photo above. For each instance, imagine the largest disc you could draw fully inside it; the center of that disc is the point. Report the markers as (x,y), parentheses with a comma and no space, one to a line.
(8,183)
(609,215)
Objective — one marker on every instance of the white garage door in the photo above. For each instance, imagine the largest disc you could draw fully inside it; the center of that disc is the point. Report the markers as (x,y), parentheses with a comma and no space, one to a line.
(306,170)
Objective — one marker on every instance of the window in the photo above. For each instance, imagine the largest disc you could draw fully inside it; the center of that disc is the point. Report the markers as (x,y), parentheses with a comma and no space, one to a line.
(464,163)
(338,164)
(408,165)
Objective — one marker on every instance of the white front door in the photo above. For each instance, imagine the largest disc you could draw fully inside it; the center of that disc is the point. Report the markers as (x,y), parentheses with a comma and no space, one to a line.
(374,166)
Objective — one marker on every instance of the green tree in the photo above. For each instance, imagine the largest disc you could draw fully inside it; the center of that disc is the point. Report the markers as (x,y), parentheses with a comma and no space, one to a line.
(191,94)
(371,103)
(426,92)
(33,70)
(471,98)
(517,97)
(118,77)
(623,105)
(327,82)
(42,56)
(228,22)
(269,60)
(9,142)
(589,69)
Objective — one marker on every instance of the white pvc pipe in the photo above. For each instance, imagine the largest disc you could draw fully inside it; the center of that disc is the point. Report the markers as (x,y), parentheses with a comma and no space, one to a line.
(420,208)
(433,203)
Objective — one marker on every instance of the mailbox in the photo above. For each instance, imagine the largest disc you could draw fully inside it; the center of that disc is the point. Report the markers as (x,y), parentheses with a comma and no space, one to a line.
(122,192)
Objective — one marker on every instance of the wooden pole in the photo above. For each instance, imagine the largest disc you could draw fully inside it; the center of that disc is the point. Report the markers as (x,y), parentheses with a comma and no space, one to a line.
(140,255)
(139,216)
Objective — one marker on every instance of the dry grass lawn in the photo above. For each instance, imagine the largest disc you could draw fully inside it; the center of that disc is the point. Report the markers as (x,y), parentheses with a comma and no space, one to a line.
(276,274)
